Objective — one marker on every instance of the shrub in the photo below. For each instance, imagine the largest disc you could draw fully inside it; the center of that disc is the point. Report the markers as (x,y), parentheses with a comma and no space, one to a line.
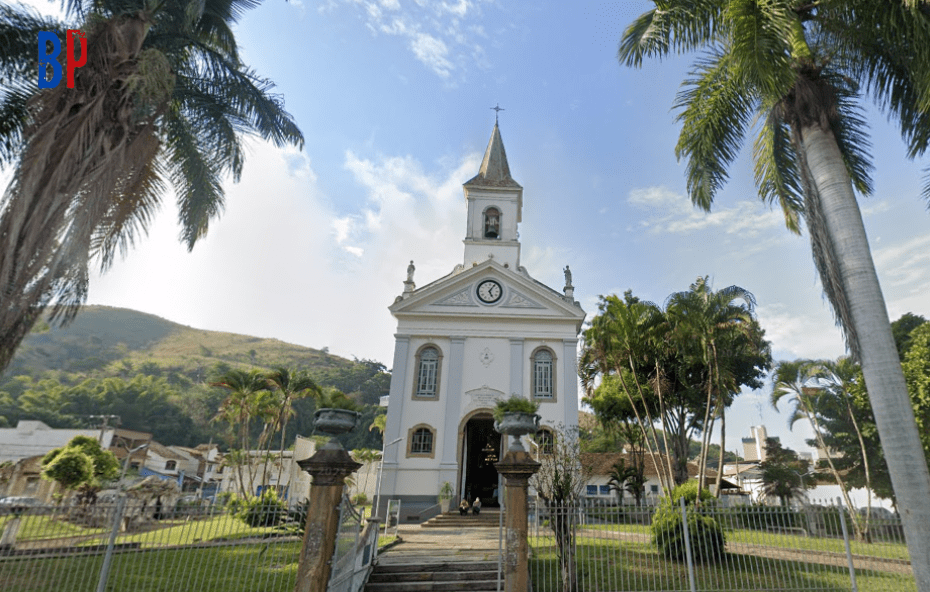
(264,510)
(515,404)
(360,499)
(705,533)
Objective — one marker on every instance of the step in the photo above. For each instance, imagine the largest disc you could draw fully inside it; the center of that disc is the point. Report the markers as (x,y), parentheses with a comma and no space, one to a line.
(449,566)
(447,576)
(461,586)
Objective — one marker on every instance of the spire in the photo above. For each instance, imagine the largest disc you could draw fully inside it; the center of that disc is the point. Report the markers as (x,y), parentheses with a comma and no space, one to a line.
(494,171)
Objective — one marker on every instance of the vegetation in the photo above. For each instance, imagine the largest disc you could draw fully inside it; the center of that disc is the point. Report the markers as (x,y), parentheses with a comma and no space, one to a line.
(154,375)
(262,510)
(81,465)
(782,472)
(796,72)
(660,376)
(514,404)
(705,534)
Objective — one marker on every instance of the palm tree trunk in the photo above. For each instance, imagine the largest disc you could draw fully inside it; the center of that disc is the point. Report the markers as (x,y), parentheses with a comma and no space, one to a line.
(881,366)
(723,439)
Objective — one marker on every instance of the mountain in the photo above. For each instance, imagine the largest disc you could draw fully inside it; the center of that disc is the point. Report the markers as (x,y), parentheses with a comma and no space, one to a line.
(155,375)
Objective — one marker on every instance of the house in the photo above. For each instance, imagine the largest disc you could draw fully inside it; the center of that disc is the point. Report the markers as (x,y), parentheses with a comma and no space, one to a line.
(34,438)
(600,464)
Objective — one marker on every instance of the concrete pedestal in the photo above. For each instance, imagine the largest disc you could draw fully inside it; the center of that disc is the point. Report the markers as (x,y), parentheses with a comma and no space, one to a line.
(516,467)
(329,469)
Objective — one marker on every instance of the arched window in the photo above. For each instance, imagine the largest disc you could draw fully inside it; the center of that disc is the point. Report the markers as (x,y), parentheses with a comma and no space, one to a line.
(171,465)
(543,374)
(427,386)
(492,223)
(421,441)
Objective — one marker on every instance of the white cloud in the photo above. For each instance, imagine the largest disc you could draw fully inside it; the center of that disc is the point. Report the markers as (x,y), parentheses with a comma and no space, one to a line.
(440,35)
(673,212)
(808,334)
(283,262)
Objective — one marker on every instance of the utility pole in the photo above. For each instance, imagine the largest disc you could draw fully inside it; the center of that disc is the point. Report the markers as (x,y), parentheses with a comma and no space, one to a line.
(104,423)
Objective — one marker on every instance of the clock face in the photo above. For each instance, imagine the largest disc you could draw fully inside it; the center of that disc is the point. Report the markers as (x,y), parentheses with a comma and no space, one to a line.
(489,291)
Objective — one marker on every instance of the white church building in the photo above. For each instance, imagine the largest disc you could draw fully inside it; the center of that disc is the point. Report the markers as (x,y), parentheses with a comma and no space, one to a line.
(479,334)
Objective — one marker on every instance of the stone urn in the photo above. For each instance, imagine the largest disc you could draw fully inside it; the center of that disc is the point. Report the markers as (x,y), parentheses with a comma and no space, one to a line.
(517,424)
(333,422)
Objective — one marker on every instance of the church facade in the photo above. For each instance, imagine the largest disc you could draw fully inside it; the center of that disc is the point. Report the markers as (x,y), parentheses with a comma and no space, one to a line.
(483,332)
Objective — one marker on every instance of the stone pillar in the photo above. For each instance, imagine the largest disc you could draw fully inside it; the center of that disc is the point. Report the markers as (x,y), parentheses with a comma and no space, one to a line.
(329,469)
(516,467)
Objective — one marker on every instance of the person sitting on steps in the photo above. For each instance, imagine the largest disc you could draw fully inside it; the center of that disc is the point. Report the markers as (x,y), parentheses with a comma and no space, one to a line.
(463,508)
(476,507)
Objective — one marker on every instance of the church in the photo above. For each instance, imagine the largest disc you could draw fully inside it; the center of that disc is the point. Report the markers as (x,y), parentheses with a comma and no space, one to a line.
(464,341)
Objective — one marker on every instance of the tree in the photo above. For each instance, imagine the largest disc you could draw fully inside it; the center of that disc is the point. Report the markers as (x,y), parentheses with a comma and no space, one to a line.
(805,383)
(163,96)
(82,464)
(902,329)
(799,69)
(246,400)
(288,386)
(781,473)
(626,479)
(559,482)
(729,344)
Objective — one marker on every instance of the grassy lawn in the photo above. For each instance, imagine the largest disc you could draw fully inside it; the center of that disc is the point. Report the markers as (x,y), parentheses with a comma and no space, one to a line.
(884,550)
(45,527)
(607,565)
(268,567)
(181,532)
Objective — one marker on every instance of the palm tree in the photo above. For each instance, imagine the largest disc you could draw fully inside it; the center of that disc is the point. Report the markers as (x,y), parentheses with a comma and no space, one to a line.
(288,386)
(247,399)
(709,319)
(163,97)
(798,68)
(799,381)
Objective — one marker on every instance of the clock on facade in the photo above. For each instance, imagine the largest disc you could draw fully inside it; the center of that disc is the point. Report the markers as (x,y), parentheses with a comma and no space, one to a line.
(489,291)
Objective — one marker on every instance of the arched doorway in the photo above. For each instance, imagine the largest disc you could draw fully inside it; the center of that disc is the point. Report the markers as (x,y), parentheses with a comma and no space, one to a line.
(481,448)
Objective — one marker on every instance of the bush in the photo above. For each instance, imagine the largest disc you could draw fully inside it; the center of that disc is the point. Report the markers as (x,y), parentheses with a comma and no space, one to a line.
(360,499)
(264,510)
(705,533)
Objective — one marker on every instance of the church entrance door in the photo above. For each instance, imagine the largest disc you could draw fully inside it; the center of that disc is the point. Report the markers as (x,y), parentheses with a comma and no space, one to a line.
(482,447)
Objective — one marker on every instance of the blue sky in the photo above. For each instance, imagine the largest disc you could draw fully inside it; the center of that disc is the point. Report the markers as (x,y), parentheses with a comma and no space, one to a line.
(394,99)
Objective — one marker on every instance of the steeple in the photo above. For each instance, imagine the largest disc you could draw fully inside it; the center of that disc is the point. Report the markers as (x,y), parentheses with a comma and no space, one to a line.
(494,171)
(495,204)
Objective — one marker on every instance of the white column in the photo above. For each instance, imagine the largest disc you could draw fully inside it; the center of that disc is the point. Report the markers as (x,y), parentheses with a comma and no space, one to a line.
(516,368)
(398,395)
(570,381)
(453,408)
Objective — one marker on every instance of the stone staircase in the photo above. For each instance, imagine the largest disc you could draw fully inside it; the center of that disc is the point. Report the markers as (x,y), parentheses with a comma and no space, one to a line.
(489,518)
(473,576)
(448,553)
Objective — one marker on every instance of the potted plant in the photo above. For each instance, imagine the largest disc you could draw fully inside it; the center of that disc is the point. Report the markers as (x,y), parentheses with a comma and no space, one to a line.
(445,496)
(337,415)
(516,417)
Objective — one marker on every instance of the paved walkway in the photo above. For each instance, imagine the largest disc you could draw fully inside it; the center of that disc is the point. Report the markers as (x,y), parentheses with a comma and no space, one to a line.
(441,545)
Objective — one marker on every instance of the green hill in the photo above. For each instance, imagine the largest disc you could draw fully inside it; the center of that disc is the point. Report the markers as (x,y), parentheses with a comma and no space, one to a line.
(102,335)
(154,374)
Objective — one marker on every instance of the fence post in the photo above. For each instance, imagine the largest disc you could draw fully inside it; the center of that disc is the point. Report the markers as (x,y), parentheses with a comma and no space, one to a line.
(516,467)
(329,468)
(111,543)
(849,558)
(688,555)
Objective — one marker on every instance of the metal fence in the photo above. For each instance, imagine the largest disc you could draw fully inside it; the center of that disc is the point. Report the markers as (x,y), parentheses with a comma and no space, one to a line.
(144,547)
(685,548)
(356,549)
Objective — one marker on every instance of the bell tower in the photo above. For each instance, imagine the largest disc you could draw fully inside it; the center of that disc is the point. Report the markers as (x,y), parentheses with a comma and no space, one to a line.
(495,204)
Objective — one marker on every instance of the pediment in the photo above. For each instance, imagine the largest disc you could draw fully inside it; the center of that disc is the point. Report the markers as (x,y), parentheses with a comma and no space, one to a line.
(456,295)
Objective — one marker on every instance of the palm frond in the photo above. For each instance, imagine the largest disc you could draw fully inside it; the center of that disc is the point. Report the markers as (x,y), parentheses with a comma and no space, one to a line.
(776,168)
(761,35)
(715,111)
(195,178)
(673,26)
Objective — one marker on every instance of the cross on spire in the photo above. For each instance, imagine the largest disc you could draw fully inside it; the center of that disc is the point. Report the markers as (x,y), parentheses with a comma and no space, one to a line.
(497,109)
